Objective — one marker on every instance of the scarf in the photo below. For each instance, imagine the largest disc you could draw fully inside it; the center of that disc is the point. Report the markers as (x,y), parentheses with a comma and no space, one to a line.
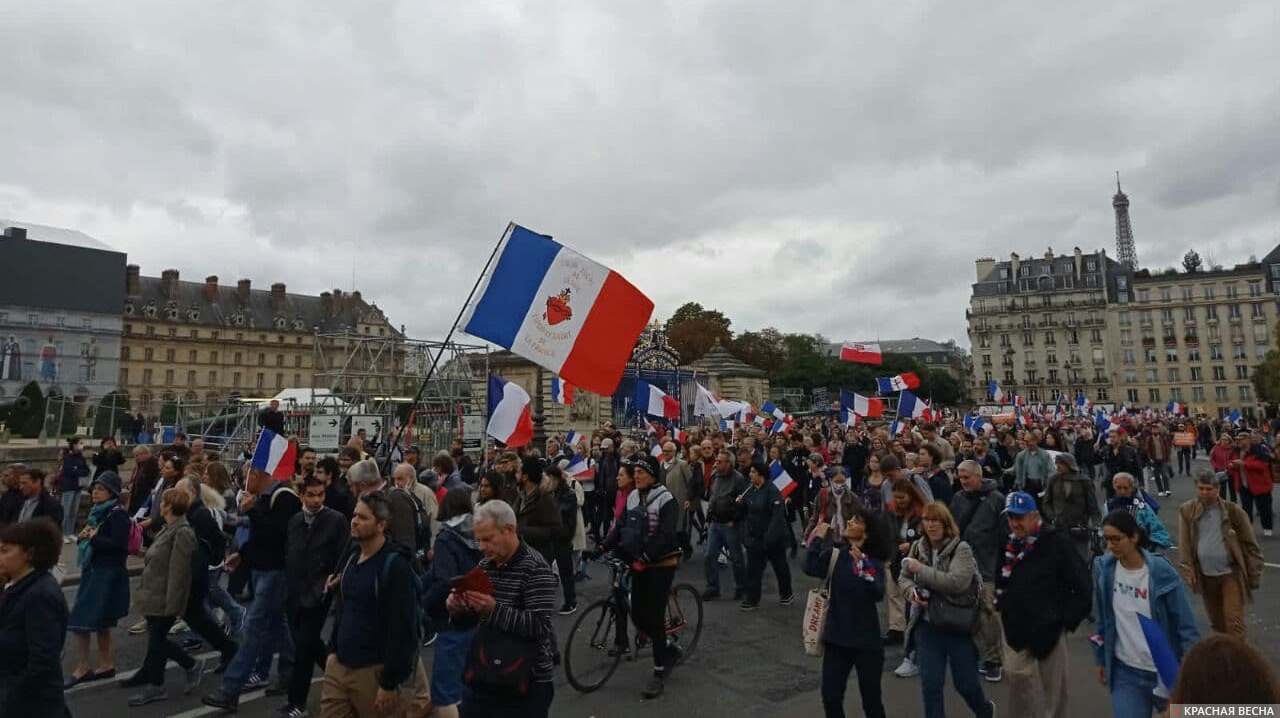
(837,514)
(97,514)
(865,570)
(1015,550)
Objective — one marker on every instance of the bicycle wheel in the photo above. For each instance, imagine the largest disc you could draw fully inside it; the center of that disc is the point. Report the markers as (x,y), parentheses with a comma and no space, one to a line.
(587,663)
(684,617)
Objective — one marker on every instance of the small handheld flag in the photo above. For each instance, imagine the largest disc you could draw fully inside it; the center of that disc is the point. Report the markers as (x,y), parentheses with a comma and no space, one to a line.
(906,380)
(561,391)
(275,455)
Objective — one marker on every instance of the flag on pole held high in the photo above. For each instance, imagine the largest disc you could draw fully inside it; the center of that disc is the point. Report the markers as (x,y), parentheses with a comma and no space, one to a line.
(997,394)
(561,391)
(861,353)
(890,384)
(1176,408)
(560,310)
(509,419)
(655,402)
(869,407)
(911,406)
(275,455)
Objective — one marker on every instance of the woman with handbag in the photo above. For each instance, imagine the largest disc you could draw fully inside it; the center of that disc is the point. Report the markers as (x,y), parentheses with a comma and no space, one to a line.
(940,578)
(855,578)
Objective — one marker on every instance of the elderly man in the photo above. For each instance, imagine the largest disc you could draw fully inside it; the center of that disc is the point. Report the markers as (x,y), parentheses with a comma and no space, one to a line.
(365,478)
(1252,466)
(686,491)
(1131,500)
(1032,467)
(1042,593)
(1218,554)
(1071,503)
(977,510)
(145,476)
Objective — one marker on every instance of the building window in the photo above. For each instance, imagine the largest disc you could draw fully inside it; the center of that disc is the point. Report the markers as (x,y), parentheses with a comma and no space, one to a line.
(146,377)
(1246,392)
(279,380)
(1152,376)
(1166,316)
(1258,310)
(1124,319)
(173,333)
(1175,374)
(214,335)
(124,353)
(235,380)
(1215,352)
(168,356)
(1131,376)
(297,379)
(151,331)
(1261,350)
(147,353)
(1153,396)
(1049,338)
(1186,294)
(1126,336)
(1208,291)
(1175,394)
(1123,298)
(1237,351)
(1255,287)
(1144,296)
(213,378)
(1171,355)
(1149,356)
(1095,336)
(1233,311)
(297,360)
(262,360)
(1232,291)
(1128,356)
(168,377)
(1197,373)
(1131,395)
(1211,311)
(191,379)
(1008,377)
(1191,333)
(1197,393)
(261,381)
(1220,393)
(191,356)
(213,357)
(1166,294)
(986,359)
(279,360)
(1219,373)
(1242,371)
(194,334)
(1027,339)
(124,377)
(237,362)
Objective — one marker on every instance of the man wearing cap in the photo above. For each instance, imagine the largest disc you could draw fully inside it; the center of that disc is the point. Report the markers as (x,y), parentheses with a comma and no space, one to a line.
(1252,466)
(1071,504)
(645,537)
(1042,593)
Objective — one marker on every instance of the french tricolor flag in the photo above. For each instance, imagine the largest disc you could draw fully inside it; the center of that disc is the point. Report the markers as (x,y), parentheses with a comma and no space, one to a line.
(509,420)
(560,310)
(1176,408)
(561,391)
(861,353)
(573,438)
(275,455)
(910,405)
(997,394)
(680,435)
(781,478)
(580,469)
(653,401)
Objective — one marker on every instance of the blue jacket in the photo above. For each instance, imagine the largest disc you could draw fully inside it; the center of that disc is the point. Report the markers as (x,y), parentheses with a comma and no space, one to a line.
(1170,608)
(73,468)
(33,625)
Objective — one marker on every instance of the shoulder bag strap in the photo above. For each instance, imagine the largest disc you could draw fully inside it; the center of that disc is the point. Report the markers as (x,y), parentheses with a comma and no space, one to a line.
(831,568)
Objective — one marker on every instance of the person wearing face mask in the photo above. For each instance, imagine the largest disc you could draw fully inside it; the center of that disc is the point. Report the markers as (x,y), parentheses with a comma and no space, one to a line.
(834,504)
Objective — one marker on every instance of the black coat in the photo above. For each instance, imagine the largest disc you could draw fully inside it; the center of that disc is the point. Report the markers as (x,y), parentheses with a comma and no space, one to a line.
(766,518)
(1126,460)
(982,525)
(1047,593)
(33,626)
(110,460)
(273,420)
(10,504)
(46,506)
(852,620)
(312,555)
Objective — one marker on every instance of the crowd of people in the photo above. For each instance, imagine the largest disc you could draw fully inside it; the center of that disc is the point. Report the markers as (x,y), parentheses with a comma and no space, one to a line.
(986,547)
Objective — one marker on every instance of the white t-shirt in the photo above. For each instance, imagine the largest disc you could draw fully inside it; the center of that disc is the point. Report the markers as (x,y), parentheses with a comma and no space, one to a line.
(1132,597)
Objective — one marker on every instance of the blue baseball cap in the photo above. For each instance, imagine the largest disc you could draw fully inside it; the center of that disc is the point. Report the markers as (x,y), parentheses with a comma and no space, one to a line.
(1019,503)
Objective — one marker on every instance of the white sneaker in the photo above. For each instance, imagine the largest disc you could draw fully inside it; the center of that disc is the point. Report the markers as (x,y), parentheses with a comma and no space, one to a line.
(180,626)
(907,669)
(1266,532)
(139,627)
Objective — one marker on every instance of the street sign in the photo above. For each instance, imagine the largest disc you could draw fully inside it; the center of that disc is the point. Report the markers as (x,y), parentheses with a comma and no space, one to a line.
(325,432)
(371,423)
(472,432)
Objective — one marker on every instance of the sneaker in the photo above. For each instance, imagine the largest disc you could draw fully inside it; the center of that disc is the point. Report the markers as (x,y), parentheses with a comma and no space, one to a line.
(653,688)
(907,669)
(256,680)
(748,605)
(218,699)
(138,628)
(179,626)
(993,672)
(150,694)
(711,594)
(430,638)
(787,599)
(891,638)
(568,609)
(619,649)
(291,711)
(191,644)
(1266,533)
(193,676)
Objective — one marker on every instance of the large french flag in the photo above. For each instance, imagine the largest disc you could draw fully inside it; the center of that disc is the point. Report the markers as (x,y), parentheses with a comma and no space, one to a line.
(580,469)
(275,455)
(781,478)
(653,401)
(912,406)
(861,353)
(509,420)
(560,310)
(561,391)
(573,438)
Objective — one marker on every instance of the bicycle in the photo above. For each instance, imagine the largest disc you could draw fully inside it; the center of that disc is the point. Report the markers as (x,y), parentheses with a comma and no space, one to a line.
(590,657)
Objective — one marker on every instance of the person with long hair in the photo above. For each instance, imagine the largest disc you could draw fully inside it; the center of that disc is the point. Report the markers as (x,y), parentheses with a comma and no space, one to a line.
(103,596)
(872,488)
(904,526)
(553,482)
(1225,669)
(1131,584)
(218,480)
(850,635)
(940,570)
(33,621)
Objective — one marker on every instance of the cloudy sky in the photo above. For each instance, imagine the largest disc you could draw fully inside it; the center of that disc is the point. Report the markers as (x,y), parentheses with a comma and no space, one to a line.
(827,166)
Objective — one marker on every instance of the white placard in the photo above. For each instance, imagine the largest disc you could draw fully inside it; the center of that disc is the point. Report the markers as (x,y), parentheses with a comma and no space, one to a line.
(324,432)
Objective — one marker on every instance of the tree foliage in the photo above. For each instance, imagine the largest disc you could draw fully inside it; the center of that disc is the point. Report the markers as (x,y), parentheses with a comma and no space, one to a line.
(765,349)
(1266,377)
(1191,261)
(693,330)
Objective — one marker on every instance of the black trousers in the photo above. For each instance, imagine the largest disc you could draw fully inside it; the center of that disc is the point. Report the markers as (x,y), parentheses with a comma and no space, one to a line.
(201,621)
(649,591)
(1248,500)
(306,624)
(837,663)
(756,558)
(562,552)
(160,650)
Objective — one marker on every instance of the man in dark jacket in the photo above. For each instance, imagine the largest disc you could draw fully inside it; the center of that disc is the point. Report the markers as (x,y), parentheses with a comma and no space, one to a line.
(11,499)
(272,418)
(1118,457)
(335,497)
(36,500)
(269,505)
(977,510)
(606,488)
(1042,593)
(537,515)
(146,473)
(317,536)
(765,536)
(723,531)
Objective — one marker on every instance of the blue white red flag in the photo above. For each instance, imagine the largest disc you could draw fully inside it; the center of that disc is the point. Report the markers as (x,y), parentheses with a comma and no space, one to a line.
(912,406)
(580,469)
(509,420)
(275,455)
(653,401)
(561,391)
(1176,408)
(560,310)
(573,438)
(997,394)
(778,474)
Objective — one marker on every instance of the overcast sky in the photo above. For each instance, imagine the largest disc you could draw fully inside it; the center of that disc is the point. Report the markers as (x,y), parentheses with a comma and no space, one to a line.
(826,166)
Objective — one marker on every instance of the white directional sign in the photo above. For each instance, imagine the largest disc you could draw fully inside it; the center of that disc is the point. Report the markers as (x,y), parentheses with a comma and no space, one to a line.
(472,431)
(325,432)
(371,424)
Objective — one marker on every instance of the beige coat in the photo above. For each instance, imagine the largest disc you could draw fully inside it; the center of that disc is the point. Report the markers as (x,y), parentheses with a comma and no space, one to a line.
(1237,533)
(166,577)
(679,481)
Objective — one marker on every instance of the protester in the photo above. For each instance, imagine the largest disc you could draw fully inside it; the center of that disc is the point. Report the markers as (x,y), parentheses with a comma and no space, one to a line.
(536,511)
(365,478)
(1221,457)
(1218,555)
(834,503)
(764,536)
(561,553)
(977,509)
(1033,466)
(518,615)
(272,418)
(33,621)
(371,667)
(724,530)
(456,553)
(678,477)
(1157,447)
(1131,584)
(102,598)
(36,501)
(930,469)
(1127,498)
(1225,670)
(904,527)
(335,497)
(940,579)
(217,478)
(850,635)
(209,551)
(1042,593)
(1253,474)
(873,490)
(1070,503)
(162,597)
(71,473)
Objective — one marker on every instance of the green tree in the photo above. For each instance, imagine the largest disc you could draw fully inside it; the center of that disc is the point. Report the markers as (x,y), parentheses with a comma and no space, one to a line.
(941,387)
(1266,376)
(765,349)
(693,330)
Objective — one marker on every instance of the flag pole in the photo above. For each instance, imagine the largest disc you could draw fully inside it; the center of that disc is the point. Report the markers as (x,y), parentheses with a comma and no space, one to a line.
(422,389)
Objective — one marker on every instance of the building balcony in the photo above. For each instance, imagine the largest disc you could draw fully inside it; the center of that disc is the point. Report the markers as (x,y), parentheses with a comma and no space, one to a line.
(1191,339)
(1148,341)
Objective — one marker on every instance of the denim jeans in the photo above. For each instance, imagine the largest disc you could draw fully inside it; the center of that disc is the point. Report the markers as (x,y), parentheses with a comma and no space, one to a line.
(935,648)
(219,597)
(724,536)
(266,631)
(70,511)
(1131,692)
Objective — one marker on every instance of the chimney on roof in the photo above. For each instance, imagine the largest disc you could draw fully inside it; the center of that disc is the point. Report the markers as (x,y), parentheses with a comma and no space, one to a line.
(277,298)
(326,303)
(1014,261)
(985,266)
(169,283)
(15,232)
(1048,254)
(211,288)
(133,280)
(339,302)
(243,288)
(1079,259)
(355,297)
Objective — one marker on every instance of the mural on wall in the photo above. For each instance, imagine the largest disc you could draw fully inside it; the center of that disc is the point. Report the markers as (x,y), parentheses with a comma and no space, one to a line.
(49,361)
(11,360)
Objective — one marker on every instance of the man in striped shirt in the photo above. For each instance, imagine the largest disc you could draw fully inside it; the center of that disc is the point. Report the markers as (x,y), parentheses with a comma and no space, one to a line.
(523,601)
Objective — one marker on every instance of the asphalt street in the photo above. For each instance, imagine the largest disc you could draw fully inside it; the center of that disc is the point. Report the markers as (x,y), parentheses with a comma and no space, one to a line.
(748,664)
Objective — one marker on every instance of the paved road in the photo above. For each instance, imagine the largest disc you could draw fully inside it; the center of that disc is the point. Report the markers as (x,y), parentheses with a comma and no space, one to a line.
(747,664)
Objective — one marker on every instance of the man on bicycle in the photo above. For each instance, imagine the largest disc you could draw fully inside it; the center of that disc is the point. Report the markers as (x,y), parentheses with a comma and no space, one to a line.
(645,537)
